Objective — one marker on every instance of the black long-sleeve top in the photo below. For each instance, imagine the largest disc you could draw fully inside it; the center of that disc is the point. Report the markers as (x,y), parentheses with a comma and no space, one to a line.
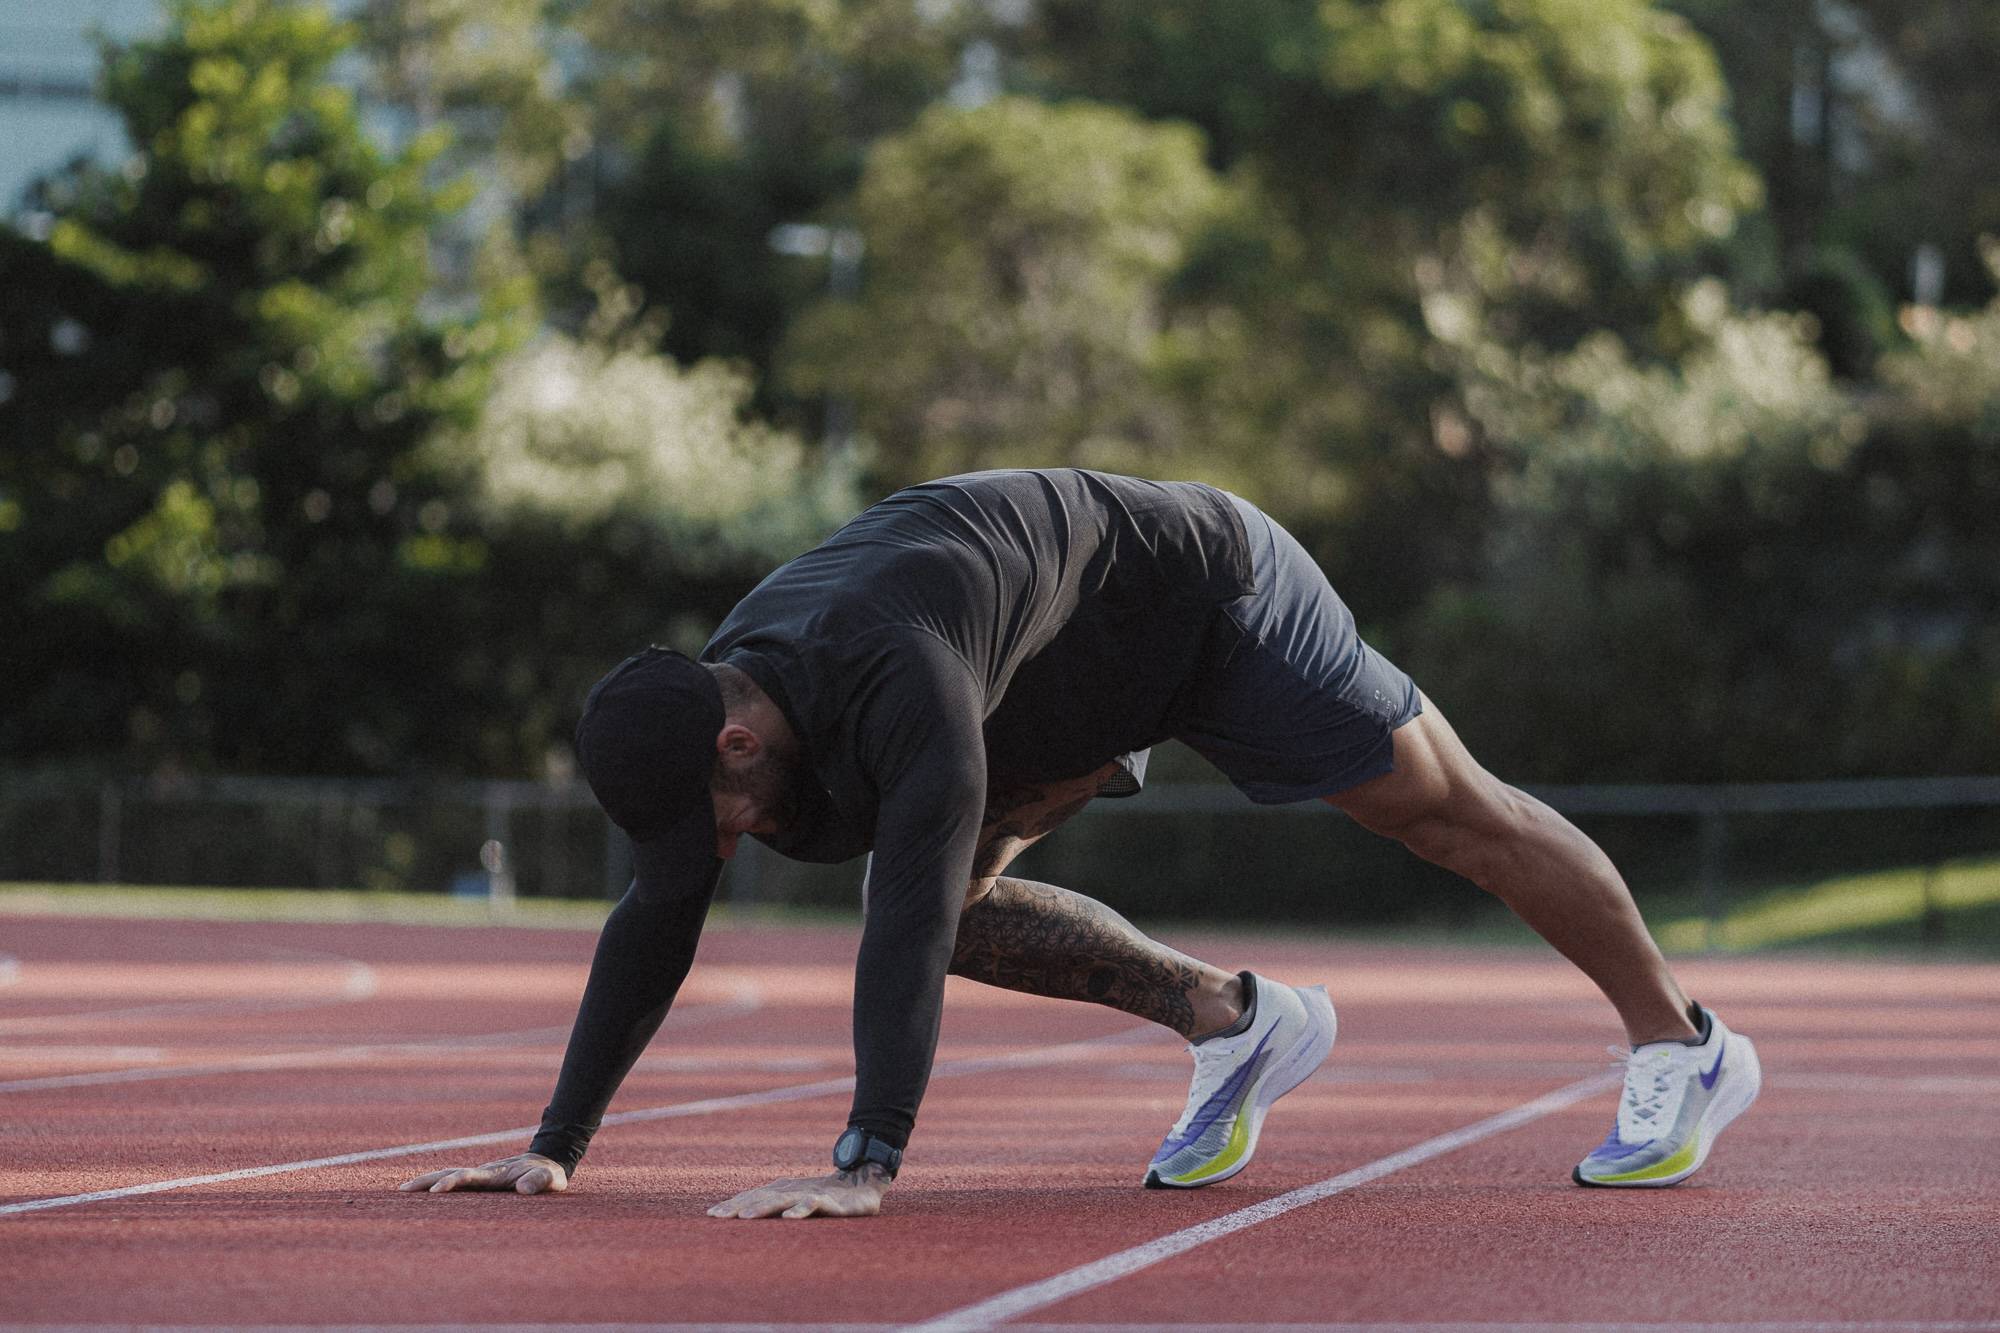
(1018,625)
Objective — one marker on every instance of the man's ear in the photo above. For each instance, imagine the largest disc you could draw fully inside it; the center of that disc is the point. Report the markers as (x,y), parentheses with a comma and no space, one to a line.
(737,741)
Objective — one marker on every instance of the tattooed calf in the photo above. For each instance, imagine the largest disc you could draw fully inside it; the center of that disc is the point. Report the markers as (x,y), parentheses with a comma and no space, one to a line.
(1045,940)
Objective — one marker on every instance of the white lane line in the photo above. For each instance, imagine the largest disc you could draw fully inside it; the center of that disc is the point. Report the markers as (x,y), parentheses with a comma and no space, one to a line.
(150,1055)
(358,982)
(1540,1326)
(165,1009)
(1164,1072)
(1890,1083)
(1049,1291)
(10,969)
(1047,1055)
(255,1064)
(745,998)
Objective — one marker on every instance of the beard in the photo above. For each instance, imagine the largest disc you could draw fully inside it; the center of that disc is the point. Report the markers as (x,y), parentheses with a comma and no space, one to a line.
(771,780)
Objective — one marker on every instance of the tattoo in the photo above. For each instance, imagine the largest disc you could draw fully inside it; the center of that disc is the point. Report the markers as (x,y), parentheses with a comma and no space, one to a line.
(1017,813)
(1044,940)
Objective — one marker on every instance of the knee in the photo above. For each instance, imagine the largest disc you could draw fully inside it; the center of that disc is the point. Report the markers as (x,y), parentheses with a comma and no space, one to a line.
(978,890)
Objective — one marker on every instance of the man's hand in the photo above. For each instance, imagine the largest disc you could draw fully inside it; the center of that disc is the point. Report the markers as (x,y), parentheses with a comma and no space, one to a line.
(524,1173)
(856,1193)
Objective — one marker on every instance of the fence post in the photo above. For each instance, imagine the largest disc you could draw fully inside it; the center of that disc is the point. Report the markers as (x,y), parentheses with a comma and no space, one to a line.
(1714,836)
(496,855)
(1930,929)
(110,814)
(555,823)
(327,821)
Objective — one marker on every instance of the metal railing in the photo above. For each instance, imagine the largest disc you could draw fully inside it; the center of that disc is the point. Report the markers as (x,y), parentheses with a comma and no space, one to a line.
(497,839)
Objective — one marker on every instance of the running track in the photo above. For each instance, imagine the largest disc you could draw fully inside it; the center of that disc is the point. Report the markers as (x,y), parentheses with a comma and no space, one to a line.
(203,1123)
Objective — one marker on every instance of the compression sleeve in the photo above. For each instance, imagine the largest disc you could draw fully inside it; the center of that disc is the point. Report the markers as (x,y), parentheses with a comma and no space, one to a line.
(642,957)
(920,736)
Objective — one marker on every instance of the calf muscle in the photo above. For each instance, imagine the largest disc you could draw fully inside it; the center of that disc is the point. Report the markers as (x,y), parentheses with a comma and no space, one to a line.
(1044,940)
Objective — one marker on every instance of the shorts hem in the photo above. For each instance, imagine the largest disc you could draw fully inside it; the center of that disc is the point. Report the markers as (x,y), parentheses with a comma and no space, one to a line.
(1380,761)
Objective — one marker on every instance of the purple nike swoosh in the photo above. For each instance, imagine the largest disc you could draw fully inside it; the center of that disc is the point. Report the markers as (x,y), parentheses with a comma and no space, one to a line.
(1708,1079)
(1218,1102)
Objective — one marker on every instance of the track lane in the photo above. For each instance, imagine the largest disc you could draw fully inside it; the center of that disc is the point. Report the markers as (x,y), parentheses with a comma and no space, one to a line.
(1016,1179)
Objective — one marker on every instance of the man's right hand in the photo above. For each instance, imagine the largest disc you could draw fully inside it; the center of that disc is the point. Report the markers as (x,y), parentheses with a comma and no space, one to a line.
(524,1173)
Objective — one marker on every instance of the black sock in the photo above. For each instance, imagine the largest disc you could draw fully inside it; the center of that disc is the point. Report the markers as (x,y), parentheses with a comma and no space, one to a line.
(1245,1019)
(1703,1025)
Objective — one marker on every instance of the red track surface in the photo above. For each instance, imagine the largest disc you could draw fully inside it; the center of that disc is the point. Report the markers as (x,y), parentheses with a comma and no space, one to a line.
(1864,1188)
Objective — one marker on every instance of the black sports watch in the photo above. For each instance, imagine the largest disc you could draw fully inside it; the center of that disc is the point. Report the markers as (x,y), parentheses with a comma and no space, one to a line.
(857,1146)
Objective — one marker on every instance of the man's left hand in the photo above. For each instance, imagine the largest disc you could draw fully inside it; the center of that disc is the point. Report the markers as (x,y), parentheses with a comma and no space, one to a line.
(856,1193)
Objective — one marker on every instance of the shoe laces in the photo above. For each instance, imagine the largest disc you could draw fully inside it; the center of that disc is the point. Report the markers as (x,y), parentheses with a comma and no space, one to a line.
(1213,1062)
(1654,1085)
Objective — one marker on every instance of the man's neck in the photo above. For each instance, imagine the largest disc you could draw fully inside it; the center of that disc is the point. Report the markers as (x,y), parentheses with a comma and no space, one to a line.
(750,706)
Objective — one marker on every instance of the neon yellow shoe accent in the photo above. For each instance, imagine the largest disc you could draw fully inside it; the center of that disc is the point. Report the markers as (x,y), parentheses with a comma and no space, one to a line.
(1666,1166)
(1239,1139)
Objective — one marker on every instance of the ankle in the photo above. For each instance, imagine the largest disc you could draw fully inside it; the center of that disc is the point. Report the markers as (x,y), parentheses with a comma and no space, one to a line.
(1689,1027)
(1219,1004)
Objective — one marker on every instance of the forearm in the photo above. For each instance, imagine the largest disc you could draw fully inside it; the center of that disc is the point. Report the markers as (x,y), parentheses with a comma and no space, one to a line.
(642,958)
(1045,940)
(920,741)
(898,1003)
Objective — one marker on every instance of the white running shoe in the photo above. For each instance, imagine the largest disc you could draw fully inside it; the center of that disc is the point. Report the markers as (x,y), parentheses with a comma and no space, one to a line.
(1237,1078)
(1677,1099)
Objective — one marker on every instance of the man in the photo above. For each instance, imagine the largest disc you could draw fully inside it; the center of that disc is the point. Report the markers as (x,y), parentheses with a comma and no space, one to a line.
(957,671)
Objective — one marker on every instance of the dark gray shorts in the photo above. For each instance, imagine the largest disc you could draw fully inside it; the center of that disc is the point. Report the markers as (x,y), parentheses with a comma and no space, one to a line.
(1298,706)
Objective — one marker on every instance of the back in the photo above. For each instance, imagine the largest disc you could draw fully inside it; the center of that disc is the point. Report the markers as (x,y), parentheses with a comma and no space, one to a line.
(1079,601)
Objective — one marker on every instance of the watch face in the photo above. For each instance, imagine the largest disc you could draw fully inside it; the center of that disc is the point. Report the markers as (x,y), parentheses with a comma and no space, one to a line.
(847,1149)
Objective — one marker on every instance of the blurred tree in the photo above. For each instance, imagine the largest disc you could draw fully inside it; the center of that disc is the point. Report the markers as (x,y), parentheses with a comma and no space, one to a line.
(220,362)
(715,123)
(1552,166)
(1574,154)
(1015,309)
(486,71)
(484,68)
(1940,176)
(1871,122)
(622,499)
(1734,568)
(1639,612)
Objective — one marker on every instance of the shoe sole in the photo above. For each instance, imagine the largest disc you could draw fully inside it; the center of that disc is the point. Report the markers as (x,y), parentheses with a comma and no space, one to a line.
(1734,1100)
(1294,1068)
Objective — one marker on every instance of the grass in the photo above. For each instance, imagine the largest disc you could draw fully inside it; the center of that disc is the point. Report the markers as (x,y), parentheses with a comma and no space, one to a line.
(1955,905)
(352,905)
(1952,907)
(336,905)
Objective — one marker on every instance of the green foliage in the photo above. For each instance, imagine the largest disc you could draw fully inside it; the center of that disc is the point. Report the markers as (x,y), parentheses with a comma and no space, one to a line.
(1583,143)
(486,69)
(222,363)
(1856,322)
(718,122)
(1950,376)
(1732,569)
(1871,123)
(590,437)
(1015,309)
(1558,167)
(288,483)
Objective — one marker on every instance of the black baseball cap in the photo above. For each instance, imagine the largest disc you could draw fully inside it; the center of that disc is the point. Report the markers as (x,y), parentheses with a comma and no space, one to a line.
(646,744)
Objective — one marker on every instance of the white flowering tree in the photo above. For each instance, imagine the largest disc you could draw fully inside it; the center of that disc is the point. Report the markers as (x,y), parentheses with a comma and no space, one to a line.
(588,436)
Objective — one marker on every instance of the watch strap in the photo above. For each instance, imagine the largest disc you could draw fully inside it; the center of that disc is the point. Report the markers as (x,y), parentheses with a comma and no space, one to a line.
(857,1147)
